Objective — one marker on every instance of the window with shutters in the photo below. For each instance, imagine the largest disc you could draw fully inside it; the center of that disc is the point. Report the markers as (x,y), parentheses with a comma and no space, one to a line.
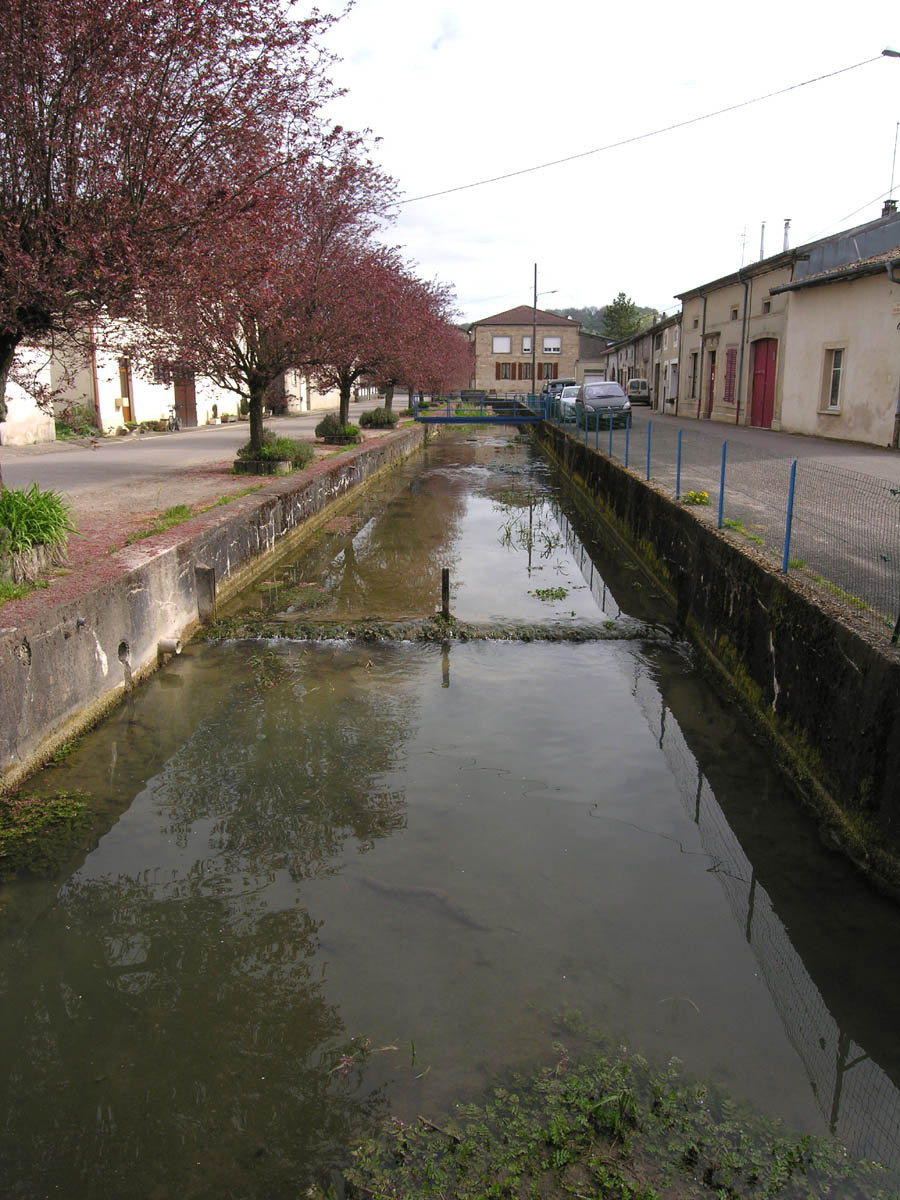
(524,370)
(548,370)
(504,370)
(730,374)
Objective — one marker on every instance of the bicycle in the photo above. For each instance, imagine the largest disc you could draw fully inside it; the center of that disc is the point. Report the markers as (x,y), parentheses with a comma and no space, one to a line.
(173,424)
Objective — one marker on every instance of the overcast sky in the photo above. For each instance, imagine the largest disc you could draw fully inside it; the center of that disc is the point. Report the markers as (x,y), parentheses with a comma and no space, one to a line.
(462,92)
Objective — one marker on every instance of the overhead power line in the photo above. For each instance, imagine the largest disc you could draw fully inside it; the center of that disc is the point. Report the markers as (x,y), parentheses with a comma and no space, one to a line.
(640,137)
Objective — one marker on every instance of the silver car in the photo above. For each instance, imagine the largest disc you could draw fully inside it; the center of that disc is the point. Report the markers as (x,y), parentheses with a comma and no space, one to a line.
(567,398)
(603,399)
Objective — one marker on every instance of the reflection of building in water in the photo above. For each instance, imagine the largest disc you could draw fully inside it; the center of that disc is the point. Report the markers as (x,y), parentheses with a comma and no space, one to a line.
(856,1097)
(598,585)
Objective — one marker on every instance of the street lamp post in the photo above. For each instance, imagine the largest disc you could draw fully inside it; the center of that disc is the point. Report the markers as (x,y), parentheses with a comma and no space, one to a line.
(534,330)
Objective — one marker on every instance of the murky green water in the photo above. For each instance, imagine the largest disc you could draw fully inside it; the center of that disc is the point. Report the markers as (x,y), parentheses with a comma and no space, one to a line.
(437,849)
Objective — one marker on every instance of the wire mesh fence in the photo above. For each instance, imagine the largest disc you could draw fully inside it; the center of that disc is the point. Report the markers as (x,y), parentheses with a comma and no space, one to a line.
(843,535)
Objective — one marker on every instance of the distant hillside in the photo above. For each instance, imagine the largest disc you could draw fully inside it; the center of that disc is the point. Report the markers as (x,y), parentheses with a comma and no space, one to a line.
(591,317)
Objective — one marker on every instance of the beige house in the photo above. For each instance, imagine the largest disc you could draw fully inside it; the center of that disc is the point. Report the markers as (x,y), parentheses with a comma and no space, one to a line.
(503,349)
(841,368)
(592,348)
(117,395)
(732,334)
(734,330)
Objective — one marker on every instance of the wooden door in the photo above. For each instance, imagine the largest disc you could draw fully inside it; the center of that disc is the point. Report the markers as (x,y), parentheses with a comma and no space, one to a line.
(125,389)
(186,401)
(762,400)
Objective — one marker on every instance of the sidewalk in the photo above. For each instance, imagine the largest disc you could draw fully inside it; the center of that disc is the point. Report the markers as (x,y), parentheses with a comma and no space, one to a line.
(119,488)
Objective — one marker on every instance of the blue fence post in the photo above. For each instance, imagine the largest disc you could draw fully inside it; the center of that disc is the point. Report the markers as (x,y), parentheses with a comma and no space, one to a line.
(627,432)
(610,435)
(790,518)
(649,432)
(721,486)
(678,467)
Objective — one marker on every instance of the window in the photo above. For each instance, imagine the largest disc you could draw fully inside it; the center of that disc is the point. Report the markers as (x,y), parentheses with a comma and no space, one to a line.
(767,306)
(552,345)
(548,370)
(696,322)
(526,344)
(504,370)
(501,344)
(730,373)
(657,342)
(734,313)
(694,375)
(675,338)
(834,372)
(524,370)
(665,339)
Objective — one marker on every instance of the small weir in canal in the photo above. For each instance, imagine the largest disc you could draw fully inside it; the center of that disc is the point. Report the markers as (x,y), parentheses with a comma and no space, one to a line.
(433,849)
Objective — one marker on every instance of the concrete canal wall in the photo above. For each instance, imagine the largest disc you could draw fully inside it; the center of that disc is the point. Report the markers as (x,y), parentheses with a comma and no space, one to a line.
(825,692)
(69,660)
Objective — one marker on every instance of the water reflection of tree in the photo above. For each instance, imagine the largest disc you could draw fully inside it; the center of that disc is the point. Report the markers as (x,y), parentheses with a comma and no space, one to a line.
(528,522)
(173,1024)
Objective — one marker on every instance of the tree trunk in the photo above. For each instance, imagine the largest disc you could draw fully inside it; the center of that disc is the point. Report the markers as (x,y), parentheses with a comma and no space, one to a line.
(256,417)
(389,397)
(346,387)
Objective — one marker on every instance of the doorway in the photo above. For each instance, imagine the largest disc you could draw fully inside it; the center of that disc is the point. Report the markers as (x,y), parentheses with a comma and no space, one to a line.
(762,400)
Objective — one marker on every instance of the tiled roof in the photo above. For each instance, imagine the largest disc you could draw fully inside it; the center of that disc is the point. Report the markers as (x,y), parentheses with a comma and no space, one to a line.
(851,270)
(524,314)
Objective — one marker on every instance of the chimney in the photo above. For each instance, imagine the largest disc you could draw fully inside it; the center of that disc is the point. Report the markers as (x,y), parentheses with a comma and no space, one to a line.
(890,208)
(762,242)
(787,226)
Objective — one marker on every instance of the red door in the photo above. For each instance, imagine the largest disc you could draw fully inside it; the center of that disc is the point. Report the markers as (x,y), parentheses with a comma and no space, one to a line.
(762,401)
(186,400)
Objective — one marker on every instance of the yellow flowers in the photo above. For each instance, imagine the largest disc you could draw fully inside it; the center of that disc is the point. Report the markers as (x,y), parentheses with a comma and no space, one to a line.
(696,498)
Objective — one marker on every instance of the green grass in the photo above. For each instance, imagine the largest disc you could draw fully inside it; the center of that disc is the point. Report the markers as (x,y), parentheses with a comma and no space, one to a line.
(15,591)
(33,518)
(739,528)
(176,515)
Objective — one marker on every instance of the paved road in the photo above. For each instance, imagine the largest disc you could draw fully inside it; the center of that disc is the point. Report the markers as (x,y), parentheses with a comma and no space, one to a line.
(74,467)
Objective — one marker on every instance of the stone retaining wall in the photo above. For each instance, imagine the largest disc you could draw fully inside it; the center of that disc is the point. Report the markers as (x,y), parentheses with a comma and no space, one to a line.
(828,696)
(71,660)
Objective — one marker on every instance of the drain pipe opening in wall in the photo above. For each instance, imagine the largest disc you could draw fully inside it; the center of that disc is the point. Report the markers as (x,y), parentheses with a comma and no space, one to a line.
(167,646)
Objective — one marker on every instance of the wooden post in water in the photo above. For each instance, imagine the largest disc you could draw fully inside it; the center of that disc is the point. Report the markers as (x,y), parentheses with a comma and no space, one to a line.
(445,593)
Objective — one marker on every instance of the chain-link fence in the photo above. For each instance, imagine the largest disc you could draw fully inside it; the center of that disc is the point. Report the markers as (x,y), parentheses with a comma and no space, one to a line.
(839,530)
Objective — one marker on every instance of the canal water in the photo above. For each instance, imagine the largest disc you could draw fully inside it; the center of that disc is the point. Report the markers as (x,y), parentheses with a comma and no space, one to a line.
(333,880)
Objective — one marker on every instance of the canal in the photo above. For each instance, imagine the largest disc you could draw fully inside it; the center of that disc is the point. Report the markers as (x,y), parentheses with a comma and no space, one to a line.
(330,880)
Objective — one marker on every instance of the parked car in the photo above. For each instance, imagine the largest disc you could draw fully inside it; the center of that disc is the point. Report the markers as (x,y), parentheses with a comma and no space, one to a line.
(553,387)
(604,399)
(567,398)
(638,391)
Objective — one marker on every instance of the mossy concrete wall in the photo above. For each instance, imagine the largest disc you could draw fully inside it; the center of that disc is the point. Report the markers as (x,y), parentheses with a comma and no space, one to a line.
(826,693)
(63,662)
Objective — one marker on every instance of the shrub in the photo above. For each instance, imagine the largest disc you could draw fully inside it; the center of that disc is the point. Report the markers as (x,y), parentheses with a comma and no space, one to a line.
(280,449)
(33,518)
(76,420)
(379,418)
(330,429)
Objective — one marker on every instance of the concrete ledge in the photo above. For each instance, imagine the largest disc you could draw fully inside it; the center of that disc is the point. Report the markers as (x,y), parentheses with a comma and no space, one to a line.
(64,662)
(826,694)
